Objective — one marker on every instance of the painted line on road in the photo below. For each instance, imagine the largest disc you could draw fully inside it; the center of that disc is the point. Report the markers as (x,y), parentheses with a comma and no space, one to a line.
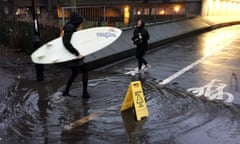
(191,66)
(214,90)
(88,118)
(81,121)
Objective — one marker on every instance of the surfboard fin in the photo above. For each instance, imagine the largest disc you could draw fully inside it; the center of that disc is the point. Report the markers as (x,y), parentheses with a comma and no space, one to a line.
(40,57)
(49,44)
(56,60)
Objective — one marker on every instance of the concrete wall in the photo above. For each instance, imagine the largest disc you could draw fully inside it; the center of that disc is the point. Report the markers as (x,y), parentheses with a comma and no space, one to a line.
(160,33)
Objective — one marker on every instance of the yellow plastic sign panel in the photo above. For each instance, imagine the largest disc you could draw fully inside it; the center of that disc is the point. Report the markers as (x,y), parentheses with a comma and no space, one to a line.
(135,97)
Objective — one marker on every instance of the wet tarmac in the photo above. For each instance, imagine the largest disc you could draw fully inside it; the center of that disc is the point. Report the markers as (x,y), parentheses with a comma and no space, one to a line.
(35,113)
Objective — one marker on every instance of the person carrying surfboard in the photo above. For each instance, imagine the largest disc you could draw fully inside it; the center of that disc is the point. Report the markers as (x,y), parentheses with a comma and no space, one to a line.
(140,39)
(76,65)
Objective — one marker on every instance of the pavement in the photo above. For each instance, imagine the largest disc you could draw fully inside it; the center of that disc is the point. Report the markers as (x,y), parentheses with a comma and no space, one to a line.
(160,33)
(204,67)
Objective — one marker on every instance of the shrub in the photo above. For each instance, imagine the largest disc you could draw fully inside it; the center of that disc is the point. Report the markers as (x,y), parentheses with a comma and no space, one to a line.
(19,35)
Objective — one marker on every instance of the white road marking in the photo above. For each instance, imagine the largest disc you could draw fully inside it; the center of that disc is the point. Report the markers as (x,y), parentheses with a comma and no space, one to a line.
(88,118)
(134,71)
(82,121)
(214,90)
(131,71)
(189,67)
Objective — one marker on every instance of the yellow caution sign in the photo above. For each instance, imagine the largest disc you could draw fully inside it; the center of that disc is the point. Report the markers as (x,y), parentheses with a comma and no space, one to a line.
(135,97)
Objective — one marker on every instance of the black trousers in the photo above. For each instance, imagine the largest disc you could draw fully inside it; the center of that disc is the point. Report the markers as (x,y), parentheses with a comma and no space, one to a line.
(140,52)
(75,71)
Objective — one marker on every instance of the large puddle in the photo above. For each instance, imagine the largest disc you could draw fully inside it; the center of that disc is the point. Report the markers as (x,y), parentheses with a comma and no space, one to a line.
(35,113)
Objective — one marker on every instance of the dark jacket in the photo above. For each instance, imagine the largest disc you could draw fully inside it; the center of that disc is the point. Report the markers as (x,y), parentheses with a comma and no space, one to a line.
(69,29)
(143,44)
(144,33)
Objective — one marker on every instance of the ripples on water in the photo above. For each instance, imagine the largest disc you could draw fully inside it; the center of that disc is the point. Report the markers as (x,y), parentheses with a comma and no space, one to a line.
(32,113)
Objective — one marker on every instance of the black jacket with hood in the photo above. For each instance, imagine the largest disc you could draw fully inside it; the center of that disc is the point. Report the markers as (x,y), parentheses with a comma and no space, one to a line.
(69,29)
(143,32)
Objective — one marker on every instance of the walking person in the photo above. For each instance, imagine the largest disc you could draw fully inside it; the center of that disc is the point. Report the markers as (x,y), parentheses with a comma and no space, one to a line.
(76,65)
(140,39)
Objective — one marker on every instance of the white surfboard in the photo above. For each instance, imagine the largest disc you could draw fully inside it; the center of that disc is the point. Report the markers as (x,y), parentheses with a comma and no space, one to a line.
(86,41)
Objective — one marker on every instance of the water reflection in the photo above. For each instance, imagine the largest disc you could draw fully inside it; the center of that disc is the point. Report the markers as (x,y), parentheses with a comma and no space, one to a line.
(134,128)
(39,118)
(76,133)
(33,113)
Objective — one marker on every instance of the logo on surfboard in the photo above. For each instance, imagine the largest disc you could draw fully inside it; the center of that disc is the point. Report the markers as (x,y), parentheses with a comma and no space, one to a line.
(106,34)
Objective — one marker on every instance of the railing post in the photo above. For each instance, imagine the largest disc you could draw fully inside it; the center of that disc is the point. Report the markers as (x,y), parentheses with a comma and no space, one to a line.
(104,14)
(63,17)
(37,43)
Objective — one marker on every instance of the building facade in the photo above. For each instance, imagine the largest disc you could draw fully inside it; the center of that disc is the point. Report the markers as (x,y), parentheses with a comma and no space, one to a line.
(221,7)
(107,12)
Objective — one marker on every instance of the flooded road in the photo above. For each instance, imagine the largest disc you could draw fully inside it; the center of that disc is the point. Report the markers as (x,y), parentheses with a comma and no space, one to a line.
(35,113)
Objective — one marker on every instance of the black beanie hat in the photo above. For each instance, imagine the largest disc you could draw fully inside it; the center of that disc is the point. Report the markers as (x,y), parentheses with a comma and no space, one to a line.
(76,19)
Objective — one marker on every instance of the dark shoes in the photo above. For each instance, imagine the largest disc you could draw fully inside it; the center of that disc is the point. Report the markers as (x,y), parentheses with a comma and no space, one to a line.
(85,95)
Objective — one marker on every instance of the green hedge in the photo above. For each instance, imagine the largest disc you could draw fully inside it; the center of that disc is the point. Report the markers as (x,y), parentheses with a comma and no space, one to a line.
(19,35)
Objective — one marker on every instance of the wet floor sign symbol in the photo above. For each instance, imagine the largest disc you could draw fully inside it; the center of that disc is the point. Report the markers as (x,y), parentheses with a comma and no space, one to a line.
(135,97)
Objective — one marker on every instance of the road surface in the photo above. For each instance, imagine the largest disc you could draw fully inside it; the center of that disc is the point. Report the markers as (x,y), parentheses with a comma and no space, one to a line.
(191,91)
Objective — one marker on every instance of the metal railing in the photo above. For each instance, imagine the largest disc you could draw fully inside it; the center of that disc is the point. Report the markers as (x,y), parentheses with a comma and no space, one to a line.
(114,15)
